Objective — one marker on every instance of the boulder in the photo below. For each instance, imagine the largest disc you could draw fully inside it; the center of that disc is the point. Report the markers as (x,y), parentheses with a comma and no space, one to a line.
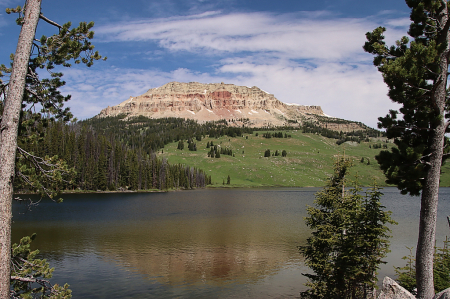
(445,294)
(392,290)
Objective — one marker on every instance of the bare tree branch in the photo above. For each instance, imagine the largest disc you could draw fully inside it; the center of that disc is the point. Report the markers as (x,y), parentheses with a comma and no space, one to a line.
(42,17)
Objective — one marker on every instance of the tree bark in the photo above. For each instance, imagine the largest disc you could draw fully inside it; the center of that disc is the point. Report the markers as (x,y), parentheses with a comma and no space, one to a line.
(8,136)
(430,192)
(427,224)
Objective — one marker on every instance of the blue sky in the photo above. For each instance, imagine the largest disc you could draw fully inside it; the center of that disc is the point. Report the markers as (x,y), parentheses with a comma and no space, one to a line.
(302,51)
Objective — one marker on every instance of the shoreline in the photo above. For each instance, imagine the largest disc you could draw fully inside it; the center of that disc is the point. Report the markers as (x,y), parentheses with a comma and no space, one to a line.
(180,190)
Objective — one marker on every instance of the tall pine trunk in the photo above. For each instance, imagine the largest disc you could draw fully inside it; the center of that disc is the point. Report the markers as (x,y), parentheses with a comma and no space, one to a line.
(430,192)
(8,136)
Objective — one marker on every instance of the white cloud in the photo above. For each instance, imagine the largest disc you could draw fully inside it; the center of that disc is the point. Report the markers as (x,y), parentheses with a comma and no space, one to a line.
(93,90)
(308,59)
(355,93)
(350,92)
(306,38)
(403,22)
(311,36)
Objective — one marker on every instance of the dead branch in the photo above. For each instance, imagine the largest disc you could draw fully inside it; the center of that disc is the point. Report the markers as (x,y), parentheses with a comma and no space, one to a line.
(42,17)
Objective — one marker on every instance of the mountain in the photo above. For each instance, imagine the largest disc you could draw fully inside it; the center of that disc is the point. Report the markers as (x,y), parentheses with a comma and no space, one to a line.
(239,105)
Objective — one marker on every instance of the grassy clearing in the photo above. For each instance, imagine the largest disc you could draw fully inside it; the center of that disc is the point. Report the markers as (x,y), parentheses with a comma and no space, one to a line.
(309,160)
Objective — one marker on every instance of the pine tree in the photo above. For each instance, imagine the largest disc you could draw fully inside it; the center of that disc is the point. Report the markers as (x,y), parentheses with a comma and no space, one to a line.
(30,276)
(416,73)
(180,145)
(348,241)
(24,90)
(406,275)
(101,179)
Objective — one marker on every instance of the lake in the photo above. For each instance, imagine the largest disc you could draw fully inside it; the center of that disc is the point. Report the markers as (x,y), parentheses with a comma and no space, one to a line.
(212,243)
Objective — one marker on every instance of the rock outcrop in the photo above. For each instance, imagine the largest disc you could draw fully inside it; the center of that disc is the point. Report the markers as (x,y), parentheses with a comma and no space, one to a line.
(240,105)
(392,290)
(445,294)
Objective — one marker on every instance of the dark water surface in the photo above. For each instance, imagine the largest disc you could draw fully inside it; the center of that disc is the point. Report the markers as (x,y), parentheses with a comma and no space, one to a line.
(193,244)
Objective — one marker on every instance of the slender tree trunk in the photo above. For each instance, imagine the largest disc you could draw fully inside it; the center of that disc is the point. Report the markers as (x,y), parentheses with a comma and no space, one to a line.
(430,192)
(427,225)
(8,136)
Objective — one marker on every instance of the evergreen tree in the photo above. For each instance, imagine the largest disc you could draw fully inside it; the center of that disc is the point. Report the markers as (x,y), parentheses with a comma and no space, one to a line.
(406,276)
(30,275)
(416,73)
(283,153)
(348,241)
(192,146)
(228,180)
(102,165)
(180,145)
(25,91)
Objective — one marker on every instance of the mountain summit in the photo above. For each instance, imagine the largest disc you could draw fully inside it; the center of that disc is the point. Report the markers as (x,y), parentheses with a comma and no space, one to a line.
(240,105)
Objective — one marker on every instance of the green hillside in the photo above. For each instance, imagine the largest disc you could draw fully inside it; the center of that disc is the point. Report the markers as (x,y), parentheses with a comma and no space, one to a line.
(308,162)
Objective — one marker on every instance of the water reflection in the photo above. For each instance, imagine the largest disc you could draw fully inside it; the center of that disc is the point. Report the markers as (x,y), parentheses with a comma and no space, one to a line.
(188,240)
(213,250)
(205,243)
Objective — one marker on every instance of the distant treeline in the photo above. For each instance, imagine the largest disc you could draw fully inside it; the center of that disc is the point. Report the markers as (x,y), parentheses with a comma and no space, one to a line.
(153,134)
(215,150)
(275,135)
(355,136)
(104,160)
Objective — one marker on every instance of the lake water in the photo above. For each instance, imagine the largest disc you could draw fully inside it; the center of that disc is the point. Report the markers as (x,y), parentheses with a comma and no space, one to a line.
(232,243)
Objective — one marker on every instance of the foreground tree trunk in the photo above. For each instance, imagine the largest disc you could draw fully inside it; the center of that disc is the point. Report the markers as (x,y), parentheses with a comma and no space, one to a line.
(427,225)
(8,136)
(430,192)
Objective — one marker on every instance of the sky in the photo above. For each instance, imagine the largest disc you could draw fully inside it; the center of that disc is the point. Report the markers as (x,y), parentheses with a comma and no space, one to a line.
(302,51)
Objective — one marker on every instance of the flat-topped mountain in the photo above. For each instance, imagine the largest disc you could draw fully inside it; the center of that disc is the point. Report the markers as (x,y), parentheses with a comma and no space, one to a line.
(240,105)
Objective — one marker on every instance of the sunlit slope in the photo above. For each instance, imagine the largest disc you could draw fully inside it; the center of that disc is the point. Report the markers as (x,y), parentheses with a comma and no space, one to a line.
(309,160)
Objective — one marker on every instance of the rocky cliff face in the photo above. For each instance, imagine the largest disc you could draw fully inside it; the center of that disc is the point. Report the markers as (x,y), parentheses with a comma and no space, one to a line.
(216,101)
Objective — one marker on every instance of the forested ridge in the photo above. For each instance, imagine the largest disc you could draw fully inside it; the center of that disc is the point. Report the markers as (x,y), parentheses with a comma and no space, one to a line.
(153,134)
(119,153)
(103,160)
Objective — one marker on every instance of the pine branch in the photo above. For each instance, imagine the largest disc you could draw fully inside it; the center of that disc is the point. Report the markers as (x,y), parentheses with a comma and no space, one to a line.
(24,279)
(38,162)
(421,161)
(43,100)
(42,17)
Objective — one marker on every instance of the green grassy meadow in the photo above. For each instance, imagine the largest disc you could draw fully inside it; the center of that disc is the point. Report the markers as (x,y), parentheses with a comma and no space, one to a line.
(309,160)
